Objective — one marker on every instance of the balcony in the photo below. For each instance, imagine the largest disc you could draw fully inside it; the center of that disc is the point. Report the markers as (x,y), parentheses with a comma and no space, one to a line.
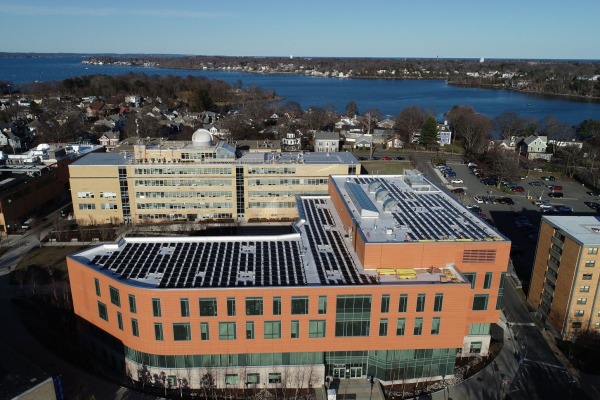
(550,277)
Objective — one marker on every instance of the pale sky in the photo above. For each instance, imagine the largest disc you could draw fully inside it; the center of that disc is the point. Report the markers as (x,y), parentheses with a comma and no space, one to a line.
(349,28)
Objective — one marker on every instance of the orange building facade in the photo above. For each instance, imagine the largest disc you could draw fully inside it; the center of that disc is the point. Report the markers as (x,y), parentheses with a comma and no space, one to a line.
(357,289)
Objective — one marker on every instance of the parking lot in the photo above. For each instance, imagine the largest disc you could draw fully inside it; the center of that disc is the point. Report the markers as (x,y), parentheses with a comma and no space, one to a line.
(520,221)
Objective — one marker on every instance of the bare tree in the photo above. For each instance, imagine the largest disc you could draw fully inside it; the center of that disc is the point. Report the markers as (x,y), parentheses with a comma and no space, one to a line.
(503,163)
(509,124)
(471,128)
(410,120)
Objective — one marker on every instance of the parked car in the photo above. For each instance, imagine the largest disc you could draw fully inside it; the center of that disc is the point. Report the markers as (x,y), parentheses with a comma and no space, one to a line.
(398,158)
(595,194)
(536,183)
(518,189)
(548,178)
(385,158)
(555,194)
(478,200)
(456,180)
(471,164)
(592,204)
(449,174)
(489,181)
(564,209)
(554,187)
(457,190)
(505,200)
(475,209)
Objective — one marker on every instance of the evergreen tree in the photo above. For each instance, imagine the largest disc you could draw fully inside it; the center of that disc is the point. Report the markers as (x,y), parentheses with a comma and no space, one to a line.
(429,132)
(351,109)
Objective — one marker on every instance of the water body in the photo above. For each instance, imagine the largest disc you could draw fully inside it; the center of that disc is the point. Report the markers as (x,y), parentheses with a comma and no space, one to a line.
(387,96)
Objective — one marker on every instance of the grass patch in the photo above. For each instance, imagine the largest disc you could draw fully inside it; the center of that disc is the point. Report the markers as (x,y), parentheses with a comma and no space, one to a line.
(386,167)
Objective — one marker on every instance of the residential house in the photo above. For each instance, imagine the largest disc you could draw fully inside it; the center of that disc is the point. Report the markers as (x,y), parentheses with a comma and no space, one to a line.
(327,141)
(110,139)
(534,147)
(292,141)
(395,142)
(444,134)
(133,99)
(98,109)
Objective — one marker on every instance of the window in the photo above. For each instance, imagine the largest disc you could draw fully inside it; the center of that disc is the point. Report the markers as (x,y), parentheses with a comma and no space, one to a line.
(85,195)
(471,277)
(400,326)
(120,320)
(231,307)
(132,305)
(87,206)
(435,326)
(231,379)
(584,289)
(295,330)
(487,280)
(108,206)
(579,313)
(97,284)
(204,334)
(316,328)
(322,305)
(420,302)
(402,305)
(135,330)
(418,330)
(479,329)
(590,263)
(299,305)
(274,377)
(576,325)
(184,305)
(438,302)
(480,302)
(272,329)
(182,332)
(383,327)
(156,311)
(249,330)
(587,277)
(385,303)
(254,306)
(592,250)
(252,379)
(227,331)
(102,311)
(475,347)
(115,298)
(208,307)
(353,315)
(582,300)
(158,331)
(276,305)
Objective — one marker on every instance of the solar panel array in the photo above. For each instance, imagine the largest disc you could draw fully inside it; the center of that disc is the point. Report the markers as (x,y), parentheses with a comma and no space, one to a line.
(208,264)
(334,264)
(430,215)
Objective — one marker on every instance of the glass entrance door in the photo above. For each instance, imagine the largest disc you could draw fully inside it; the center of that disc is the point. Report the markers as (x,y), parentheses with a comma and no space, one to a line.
(339,372)
(355,372)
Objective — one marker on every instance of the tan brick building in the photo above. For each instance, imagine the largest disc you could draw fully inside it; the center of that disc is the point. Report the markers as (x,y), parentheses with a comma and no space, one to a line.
(564,282)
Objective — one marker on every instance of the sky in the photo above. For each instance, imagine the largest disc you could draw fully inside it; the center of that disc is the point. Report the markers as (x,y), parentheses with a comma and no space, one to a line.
(534,29)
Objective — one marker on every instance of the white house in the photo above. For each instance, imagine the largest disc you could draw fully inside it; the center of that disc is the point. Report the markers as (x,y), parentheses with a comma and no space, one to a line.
(534,147)
(292,141)
(327,141)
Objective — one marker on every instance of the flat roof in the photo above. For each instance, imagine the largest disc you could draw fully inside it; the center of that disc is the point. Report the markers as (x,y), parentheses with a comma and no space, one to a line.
(409,208)
(583,229)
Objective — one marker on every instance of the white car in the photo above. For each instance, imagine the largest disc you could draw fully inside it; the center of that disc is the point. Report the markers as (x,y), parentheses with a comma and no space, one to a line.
(478,199)
(456,180)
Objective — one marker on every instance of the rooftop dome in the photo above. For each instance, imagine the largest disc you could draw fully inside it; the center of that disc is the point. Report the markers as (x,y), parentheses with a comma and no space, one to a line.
(202,138)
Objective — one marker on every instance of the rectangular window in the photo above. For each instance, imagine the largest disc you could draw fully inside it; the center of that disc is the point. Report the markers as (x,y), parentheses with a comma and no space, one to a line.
(475,347)
(135,330)
(272,329)
(383,327)
(353,315)
(204,333)
(156,311)
(579,313)
(590,263)
(231,379)
(438,302)
(252,379)
(254,306)
(584,289)
(115,297)
(274,377)
(120,320)
(295,329)
(249,330)
(316,328)
(385,303)
(276,305)
(420,302)
(97,284)
(582,300)
(102,311)
(132,304)
(480,302)
(400,326)
(418,330)
(299,305)
(208,307)
(592,250)
(479,329)
(322,305)
(576,325)
(231,307)
(435,326)
(471,277)
(227,331)
(184,306)
(403,304)
(587,277)
(182,332)
(158,331)
(487,280)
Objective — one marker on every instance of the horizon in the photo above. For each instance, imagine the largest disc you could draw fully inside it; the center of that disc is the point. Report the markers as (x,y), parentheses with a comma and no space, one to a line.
(535,30)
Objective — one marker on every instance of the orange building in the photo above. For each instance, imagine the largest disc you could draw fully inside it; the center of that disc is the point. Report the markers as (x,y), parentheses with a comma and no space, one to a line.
(387,277)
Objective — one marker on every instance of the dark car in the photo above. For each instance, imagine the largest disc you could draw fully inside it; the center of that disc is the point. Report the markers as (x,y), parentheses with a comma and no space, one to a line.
(362,158)
(505,200)
(595,194)
(457,190)
(592,204)
(518,189)
(555,194)
(536,183)
(548,178)
(489,181)
(398,158)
